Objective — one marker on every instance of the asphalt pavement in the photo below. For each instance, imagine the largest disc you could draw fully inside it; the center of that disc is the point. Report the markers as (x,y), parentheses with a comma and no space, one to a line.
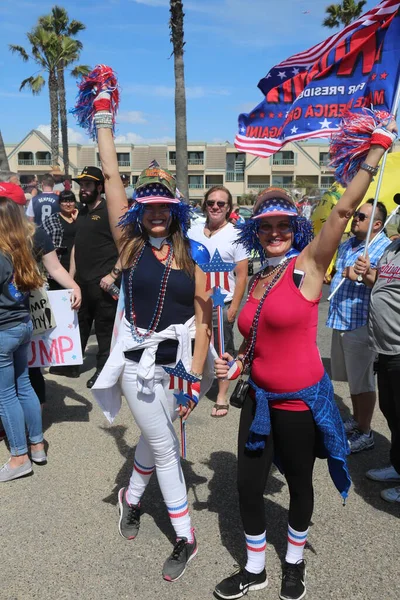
(59,535)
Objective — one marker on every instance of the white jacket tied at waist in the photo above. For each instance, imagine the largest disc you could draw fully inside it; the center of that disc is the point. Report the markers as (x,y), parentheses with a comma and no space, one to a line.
(107,389)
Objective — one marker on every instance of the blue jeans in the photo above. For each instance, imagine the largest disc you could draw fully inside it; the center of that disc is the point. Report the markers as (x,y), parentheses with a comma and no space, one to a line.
(19,404)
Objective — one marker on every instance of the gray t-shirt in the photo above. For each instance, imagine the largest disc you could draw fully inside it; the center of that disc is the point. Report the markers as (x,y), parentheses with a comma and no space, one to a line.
(384,310)
(14,306)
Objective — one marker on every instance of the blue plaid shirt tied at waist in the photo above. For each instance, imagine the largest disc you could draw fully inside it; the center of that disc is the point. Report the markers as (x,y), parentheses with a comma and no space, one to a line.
(348,308)
(320,400)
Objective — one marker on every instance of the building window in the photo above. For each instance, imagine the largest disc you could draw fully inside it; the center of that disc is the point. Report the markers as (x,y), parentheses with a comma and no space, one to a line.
(283,181)
(196,158)
(285,157)
(124,159)
(324,159)
(196,182)
(43,158)
(212,180)
(327,181)
(25,158)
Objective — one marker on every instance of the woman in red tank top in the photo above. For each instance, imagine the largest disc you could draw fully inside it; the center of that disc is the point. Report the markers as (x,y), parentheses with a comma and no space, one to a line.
(289,413)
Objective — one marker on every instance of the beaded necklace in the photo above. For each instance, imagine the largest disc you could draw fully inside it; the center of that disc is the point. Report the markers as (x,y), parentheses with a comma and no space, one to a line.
(248,353)
(137,336)
(164,258)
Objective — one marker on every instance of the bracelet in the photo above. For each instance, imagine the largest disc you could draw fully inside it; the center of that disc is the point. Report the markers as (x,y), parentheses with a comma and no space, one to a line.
(103,119)
(198,375)
(382,137)
(371,170)
(115,271)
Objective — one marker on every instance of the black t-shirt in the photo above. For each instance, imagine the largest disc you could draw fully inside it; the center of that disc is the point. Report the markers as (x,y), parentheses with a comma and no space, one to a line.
(95,249)
(69,232)
(178,304)
(42,244)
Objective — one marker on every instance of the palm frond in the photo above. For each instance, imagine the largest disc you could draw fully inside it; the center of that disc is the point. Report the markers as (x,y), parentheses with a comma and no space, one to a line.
(19,50)
(35,84)
(80,71)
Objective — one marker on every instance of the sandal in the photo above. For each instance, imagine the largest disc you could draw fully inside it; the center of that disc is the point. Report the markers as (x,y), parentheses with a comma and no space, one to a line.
(219,407)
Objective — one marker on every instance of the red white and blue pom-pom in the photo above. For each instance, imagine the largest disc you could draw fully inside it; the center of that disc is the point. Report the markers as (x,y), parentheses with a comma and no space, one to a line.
(350,145)
(101,79)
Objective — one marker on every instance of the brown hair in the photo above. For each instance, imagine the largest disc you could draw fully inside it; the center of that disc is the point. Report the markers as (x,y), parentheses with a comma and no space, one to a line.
(218,188)
(16,242)
(132,242)
(48,181)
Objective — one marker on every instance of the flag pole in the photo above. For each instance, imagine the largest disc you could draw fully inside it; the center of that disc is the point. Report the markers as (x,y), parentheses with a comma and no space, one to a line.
(381,172)
(390,217)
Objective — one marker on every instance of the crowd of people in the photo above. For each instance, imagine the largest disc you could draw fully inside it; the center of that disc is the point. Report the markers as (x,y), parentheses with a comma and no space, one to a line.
(138,244)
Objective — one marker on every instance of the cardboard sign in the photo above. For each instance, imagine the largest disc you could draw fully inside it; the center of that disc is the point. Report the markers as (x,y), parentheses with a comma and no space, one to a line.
(62,344)
(42,315)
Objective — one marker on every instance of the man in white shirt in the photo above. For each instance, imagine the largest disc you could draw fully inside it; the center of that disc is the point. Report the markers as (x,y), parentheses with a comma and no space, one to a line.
(218,234)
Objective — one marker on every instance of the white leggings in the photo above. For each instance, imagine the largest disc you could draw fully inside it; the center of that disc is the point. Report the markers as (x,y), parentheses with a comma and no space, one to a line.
(158,446)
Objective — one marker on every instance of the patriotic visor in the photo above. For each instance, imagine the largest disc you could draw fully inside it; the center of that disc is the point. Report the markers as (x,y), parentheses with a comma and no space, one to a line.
(156,185)
(274,202)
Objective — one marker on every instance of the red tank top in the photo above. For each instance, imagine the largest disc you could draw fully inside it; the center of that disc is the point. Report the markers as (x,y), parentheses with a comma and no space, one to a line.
(286,356)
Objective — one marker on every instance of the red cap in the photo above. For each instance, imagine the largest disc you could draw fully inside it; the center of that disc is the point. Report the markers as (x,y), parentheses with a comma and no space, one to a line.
(13,192)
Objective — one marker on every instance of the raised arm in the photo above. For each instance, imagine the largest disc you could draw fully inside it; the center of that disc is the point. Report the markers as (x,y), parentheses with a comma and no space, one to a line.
(117,202)
(317,256)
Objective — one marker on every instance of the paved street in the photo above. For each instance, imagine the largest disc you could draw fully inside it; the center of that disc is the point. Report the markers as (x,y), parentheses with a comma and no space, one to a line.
(59,534)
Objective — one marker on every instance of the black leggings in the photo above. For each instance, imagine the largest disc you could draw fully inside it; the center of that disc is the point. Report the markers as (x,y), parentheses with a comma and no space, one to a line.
(294,438)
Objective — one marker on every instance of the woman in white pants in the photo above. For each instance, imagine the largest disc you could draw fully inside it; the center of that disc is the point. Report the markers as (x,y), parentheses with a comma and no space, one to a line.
(165,308)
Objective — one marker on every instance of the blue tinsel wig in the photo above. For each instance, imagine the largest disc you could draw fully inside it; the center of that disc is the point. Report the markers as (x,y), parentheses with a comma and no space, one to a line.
(272,202)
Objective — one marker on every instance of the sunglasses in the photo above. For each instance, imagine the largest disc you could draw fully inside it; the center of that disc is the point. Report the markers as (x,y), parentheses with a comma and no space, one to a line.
(67,201)
(359,215)
(157,206)
(219,203)
(282,227)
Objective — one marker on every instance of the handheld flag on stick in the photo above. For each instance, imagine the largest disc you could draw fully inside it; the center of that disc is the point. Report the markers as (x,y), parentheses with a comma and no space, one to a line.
(217,272)
(188,388)
(306,95)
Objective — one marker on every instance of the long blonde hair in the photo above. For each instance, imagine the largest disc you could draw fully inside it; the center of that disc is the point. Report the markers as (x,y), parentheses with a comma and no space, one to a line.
(16,242)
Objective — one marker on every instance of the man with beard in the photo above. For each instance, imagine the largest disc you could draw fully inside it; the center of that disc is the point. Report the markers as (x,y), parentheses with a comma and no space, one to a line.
(351,358)
(95,266)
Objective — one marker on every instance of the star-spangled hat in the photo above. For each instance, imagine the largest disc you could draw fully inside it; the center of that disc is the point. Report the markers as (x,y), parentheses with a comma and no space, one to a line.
(274,202)
(156,185)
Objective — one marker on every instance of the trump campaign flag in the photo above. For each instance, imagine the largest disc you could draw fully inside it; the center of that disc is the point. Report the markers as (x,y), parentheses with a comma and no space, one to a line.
(306,95)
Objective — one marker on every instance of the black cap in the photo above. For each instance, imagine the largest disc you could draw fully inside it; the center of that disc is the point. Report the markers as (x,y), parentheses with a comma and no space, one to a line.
(90,173)
(125,178)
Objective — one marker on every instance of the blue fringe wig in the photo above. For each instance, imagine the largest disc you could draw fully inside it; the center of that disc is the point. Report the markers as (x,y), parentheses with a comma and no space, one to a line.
(134,215)
(302,228)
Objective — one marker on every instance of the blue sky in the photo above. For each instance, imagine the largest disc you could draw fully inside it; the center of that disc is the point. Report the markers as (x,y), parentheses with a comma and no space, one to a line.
(228,49)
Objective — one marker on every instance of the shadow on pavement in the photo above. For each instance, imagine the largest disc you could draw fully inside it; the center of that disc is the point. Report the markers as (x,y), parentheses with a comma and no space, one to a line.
(56,411)
(223,500)
(369,490)
(153,503)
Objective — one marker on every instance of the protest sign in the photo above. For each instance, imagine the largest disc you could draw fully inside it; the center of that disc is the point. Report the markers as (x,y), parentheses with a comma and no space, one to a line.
(41,313)
(62,344)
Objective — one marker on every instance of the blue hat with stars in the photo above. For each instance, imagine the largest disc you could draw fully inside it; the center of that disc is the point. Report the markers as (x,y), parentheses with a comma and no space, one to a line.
(274,202)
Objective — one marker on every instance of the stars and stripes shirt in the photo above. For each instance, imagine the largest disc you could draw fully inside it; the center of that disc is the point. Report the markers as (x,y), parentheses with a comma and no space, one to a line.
(348,308)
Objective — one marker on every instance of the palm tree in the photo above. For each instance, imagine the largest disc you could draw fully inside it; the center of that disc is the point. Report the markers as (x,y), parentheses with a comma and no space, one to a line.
(69,51)
(53,49)
(4,166)
(343,13)
(43,53)
(177,34)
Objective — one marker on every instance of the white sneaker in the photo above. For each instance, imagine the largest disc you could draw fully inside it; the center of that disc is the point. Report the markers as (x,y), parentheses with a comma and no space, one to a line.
(350,425)
(391,495)
(360,441)
(384,474)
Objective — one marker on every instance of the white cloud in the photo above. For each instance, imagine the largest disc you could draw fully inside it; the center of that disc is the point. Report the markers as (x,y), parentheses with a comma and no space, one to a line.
(131,116)
(134,138)
(74,137)
(164,91)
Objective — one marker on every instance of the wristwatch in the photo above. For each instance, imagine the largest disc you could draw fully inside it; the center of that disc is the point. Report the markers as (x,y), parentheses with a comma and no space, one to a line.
(116,271)
(371,170)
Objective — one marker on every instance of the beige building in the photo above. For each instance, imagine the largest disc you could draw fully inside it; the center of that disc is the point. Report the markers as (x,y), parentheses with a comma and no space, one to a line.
(300,166)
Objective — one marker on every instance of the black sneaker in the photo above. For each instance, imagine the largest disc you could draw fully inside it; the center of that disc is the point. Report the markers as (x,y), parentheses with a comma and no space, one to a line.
(241,582)
(90,383)
(293,581)
(175,565)
(129,516)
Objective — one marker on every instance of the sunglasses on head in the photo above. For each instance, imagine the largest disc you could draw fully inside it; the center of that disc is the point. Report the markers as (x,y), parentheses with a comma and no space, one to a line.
(359,215)
(219,203)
